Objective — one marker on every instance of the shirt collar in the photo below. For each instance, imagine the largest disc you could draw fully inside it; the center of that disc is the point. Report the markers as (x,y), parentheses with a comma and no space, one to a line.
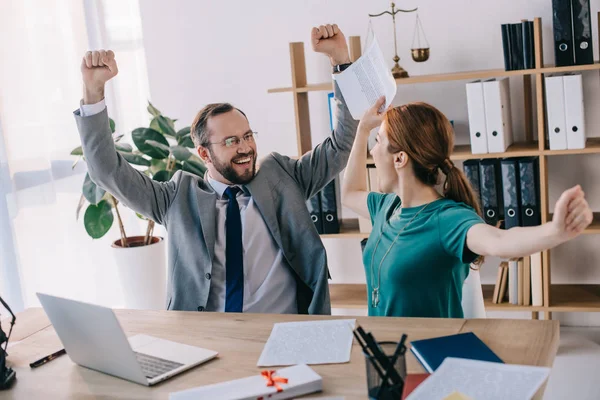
(220,187)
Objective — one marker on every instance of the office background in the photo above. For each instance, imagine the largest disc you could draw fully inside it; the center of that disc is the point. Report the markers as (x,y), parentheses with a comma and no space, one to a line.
(184,54)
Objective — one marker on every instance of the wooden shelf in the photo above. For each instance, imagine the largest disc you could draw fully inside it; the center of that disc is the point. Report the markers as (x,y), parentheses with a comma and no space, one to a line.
(551,69)
(348,229)
(488,293)
(594,227)
(353,295)
(463,152)
(592,146)
(574,298)
(452,76)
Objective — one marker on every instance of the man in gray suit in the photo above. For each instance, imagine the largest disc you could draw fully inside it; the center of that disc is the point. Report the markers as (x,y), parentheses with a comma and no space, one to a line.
(241,239)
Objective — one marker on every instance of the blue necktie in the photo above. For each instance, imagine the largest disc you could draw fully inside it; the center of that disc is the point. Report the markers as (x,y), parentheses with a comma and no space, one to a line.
(234,254)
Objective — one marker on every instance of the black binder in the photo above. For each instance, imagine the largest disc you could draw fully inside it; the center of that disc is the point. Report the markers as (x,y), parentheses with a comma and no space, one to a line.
(314,208)
(510,193)
(582,32)
(516,46)
(529,177)
(329,208)
(490,184)
(471,170)
(506,47)
(563,33)
(528,45)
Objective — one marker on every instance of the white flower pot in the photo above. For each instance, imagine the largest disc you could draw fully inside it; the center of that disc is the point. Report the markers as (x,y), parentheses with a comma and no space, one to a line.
(143,272)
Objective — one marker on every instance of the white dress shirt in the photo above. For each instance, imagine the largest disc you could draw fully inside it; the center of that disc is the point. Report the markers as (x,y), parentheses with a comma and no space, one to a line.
(269,284)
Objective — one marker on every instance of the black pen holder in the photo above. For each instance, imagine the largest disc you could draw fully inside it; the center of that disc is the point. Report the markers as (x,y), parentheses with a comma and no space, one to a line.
(375,380)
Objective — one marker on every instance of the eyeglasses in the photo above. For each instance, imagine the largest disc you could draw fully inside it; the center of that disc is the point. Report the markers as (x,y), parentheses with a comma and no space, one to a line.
(235,141)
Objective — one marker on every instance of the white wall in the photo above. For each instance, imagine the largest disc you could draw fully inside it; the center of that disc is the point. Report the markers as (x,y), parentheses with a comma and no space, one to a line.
(208,51)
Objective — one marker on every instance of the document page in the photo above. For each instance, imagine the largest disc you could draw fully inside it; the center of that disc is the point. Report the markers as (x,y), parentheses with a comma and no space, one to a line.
(312,342)
(481,380)
(366,80)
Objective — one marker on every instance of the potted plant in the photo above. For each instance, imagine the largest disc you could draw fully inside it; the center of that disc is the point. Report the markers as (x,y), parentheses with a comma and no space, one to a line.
(160,152)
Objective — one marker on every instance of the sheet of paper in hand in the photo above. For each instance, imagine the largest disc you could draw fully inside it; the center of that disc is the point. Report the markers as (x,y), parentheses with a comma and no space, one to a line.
(366,80)
(311,342)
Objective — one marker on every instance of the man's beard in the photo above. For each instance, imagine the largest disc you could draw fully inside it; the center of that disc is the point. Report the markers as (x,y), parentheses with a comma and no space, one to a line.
(228,171)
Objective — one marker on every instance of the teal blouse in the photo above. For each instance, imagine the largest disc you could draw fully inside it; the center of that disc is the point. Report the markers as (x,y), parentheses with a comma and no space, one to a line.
(424,269)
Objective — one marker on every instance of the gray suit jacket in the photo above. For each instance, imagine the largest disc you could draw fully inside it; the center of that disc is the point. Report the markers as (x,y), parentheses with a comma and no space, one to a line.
(186,206)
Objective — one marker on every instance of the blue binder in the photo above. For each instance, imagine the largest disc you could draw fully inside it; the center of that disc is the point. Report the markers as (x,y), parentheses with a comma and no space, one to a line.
(432,352)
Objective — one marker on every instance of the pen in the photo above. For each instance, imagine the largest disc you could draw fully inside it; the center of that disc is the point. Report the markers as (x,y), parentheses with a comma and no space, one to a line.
(366,351)
(48,358)
(382,358)
(400,349)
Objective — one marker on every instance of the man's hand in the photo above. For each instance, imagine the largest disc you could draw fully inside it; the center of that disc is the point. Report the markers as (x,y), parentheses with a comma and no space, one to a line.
(572,214)
(330,40)
(97,68)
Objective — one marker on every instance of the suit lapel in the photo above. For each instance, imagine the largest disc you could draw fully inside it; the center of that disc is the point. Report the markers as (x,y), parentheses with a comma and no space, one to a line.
(207,205)
(261,193)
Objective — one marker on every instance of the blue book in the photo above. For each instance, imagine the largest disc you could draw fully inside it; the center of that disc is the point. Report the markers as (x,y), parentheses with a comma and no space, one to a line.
(432,352)
(331,103)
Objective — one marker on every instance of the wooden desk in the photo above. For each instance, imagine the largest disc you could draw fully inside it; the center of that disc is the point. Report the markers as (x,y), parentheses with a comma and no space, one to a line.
(239,339)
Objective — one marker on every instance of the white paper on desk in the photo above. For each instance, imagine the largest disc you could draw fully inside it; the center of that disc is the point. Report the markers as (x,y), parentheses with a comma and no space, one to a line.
(481,380)
(301,380)
(310,342)
(366,80)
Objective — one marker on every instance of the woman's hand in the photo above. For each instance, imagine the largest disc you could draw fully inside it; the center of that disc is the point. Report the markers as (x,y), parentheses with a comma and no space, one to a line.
(373,117)
(572,214)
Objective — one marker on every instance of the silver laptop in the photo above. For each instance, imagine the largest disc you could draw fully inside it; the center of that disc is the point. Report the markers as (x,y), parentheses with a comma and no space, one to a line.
(93,338)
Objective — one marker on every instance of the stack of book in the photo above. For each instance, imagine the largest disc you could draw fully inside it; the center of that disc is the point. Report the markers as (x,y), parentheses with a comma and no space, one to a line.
(572,28)
(508,190)
(565,112)
(519,281)
(325,207)
(518,45)
(490,121)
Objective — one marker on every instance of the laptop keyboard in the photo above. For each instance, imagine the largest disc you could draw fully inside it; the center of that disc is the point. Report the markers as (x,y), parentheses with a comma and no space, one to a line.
(155,366)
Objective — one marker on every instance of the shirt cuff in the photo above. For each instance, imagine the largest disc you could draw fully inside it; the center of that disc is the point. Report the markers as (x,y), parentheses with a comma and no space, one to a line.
(87,110)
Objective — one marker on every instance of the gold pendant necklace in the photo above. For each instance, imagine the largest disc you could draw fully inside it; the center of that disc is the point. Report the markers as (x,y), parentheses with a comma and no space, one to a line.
(375,291)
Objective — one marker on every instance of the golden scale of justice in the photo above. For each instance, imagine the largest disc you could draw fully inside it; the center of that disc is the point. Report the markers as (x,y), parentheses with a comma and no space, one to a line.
(419,54)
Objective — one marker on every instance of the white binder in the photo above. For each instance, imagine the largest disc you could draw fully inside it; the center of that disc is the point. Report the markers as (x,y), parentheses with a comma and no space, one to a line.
(496,95)
(476,109)
(574,111)
(555,112)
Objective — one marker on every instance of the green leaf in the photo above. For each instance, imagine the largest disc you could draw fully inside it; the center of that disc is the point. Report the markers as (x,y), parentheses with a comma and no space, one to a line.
(125,147)
(186,141)
(194,168)
(183,132)
(91,191)
(140,216)
(111,122)
(180,153)
(140,137)
(159,146)
(165,125)
(157,165)
(162,176)
(116,138)
(98,219)
(154,124)
(135,159)
(153,110)
(77,151)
